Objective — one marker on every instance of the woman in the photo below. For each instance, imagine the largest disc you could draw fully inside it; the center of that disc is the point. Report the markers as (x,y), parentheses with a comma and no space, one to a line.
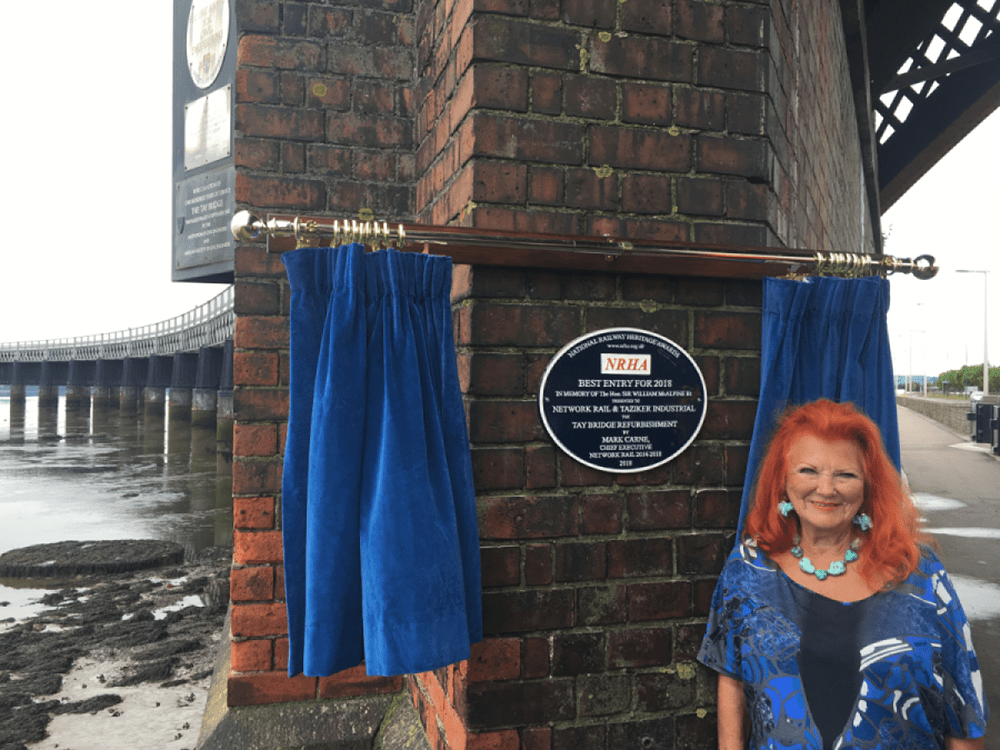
(834,625)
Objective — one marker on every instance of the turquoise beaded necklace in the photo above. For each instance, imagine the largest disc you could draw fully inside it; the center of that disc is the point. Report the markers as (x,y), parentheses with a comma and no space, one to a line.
(837,568)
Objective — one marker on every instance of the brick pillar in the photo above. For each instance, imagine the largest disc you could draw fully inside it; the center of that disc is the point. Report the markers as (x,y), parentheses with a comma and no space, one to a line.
(322,112)
(712,122)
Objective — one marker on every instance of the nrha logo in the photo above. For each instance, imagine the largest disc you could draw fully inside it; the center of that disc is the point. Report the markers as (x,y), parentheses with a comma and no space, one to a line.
(625,364)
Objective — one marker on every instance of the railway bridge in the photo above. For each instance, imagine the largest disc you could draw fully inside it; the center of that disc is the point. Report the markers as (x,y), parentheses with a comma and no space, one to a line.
(182,365)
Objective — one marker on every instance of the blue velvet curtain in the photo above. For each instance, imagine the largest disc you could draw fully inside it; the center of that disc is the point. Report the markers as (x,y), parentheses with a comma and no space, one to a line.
(381,542)
(824,338)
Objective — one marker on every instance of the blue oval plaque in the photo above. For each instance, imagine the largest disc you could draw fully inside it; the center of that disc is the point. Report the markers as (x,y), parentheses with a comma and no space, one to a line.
(622,400)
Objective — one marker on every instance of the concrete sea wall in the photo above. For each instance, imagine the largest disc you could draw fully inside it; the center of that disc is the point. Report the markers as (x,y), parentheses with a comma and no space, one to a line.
(952,414)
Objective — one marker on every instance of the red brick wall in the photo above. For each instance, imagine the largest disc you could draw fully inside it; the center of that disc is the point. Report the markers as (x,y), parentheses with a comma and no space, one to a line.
(324,100)
(632,119)
(711,122)
(717,122)
(810,119)
(596,585)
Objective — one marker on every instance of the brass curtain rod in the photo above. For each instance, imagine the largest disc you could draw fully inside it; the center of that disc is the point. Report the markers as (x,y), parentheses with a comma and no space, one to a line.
(469,245)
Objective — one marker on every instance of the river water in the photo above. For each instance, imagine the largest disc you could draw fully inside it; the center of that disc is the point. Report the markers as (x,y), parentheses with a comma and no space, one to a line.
(85,476)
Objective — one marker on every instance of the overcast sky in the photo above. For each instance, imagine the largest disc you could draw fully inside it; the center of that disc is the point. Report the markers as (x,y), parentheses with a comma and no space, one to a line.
(87,188)
(950,213)
(87,194)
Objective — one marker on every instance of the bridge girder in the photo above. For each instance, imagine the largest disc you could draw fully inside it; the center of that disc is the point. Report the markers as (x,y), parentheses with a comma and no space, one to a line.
(933,70)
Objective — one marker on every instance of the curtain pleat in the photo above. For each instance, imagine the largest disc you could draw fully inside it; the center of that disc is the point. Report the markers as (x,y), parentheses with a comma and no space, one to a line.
(823,338)
(378,509)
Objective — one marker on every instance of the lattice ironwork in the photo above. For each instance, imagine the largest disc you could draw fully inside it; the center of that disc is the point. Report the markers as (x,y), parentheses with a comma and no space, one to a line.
(968,35)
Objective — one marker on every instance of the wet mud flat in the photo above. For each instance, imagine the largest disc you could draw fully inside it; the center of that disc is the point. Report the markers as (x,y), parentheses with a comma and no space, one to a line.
(115,644)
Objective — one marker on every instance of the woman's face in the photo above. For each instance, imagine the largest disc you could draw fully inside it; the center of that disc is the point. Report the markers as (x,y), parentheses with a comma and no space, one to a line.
(825,483)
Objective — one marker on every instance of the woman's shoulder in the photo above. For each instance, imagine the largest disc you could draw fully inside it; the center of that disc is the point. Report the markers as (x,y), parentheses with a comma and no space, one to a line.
(747,554)
(928,577)
(929,560)
(747,575)
(929,564)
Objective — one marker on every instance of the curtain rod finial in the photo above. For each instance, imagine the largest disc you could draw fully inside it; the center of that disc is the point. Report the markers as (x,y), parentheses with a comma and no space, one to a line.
(924,268)
(245,226)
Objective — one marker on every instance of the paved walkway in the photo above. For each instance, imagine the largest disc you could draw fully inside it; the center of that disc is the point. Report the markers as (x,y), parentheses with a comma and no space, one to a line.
(956,484)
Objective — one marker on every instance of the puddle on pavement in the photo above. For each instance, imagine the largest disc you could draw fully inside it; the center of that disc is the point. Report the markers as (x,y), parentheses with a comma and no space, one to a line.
(980,600)
(928,503)
(967,532)
(974,447)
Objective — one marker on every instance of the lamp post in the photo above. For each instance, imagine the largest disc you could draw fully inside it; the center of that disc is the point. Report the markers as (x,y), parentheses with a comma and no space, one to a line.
(909,377)
(986,320)
(925,363)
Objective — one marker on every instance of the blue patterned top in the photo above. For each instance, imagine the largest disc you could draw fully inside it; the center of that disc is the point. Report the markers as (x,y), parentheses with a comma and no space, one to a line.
(919,681)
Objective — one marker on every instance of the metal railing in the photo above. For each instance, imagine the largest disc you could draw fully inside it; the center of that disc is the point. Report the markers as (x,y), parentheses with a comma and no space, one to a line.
(207,325)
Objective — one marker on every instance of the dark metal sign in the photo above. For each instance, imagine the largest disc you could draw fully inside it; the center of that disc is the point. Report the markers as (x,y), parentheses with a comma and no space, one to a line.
(622,400)
(204,206)
(203,141)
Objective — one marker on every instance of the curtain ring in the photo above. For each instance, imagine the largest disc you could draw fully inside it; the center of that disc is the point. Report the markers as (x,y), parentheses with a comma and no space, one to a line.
(304,233)
(861,265)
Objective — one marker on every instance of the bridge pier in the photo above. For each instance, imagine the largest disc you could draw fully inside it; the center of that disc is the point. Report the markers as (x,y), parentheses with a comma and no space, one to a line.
(48,410)
(107,379)
(105,402)
(202,444)
(18,403)
(204,404)
(154,395)
(106,394)
(129,398)
(53,375)
(102,397)
(77,419)
(48,397)
(205,396)
(225,414)
(22,374)
(78,398)
(134,373)
(154,399)
(179,404)
(154,402)
(79,380)
(183,373)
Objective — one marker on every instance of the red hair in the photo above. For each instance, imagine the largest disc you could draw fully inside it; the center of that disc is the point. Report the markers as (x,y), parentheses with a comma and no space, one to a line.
(892,548)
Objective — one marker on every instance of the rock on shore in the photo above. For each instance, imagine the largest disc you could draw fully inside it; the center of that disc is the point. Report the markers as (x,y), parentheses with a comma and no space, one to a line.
(156,628)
